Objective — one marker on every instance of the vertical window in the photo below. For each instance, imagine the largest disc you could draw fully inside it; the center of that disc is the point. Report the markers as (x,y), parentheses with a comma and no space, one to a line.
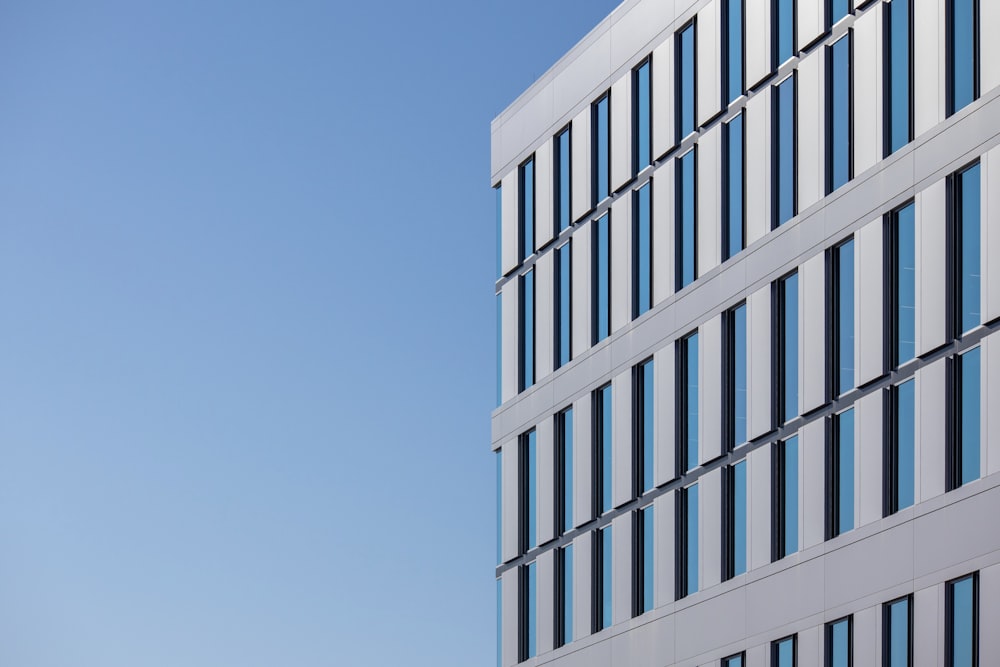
(642,112)
(563,304)
(839,142)
(783,30)
(899,75)
(836,10)
(526,208)
(785,498)
(499,226)
(783,151)
(602,450)
(499,340)
(734,660)
(602,596)
(561,182)
(686,225)
(840,475)
(564,471)
(838,643)
(962,622)
(783,652)
(902,290)
(687,541)
(645,413)
(529,490)
(962,40)
(529,611)
(642,249)
(499,517)
(965,194)
(643,561)
(900,451)
(734,537)
(732,50)
(687,403)
(601,156)
(499,624)
(733,188)
(787,352)
(602,278)
(686,91)
(897,638)
(735,377)
(964,452)
(526,342)
(564,596)
(842,333)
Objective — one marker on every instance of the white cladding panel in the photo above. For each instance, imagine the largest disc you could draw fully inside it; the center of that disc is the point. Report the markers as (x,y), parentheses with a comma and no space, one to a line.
(868,89)
(812,460)
(582,589)
(509,612)
(812,351)
(811,22)
(928,65)
(708,60)
(581,291)
(866,629)
(868,456)
(621,262)
(580,159)
(545,602)
(989,614)
(758,41)
(509,301)
(710,389)
(621,567)
(544,314)
(991,403)
(546,471)
(663,98)
(759,362)
(709,197)
(663,370)
(759,510)
(583,507)
(870,306)
(758,177)
(931,216)
(710,528)
(990,173)
(621,442)
(931,433)
(663,236)
(811,135)
(621,131)
(928,629)
(544,225)
(663,520)
(508,222)
(989,55)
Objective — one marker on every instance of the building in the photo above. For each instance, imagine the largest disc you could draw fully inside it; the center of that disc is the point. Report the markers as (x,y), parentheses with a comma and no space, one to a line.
(748,370)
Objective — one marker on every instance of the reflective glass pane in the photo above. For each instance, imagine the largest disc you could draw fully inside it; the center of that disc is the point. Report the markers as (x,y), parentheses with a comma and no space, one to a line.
(899,98)
(499,225)
(566,423)
(735,661)
(845,471)
(740,518)
(563,303)
(567,586)
(643,151)
(838,10)
(840,113)
(845,316)
(905,431)
(606,579)
(532,615)
(643,251)
(499,341)
(906,284)
(733,81)
(790,345)
(499,517)
(691,400)
(784,653)
(840,644)
(962,40)
(527,329)
(685,82)
(648,559)
(968,215)
(739,374)
(602,293)
(602,149)
(562,181)
(646,432)
(499,624)
(733,188)
(963,630)
(531,489)
(527,208)
(791,509)
(784,150)
(692,539)
(785,35)
(605,437)
(686,194)
(969,414)
(899,634)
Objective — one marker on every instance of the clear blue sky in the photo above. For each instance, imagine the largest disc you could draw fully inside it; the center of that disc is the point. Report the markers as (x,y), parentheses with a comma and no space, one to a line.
(246,327)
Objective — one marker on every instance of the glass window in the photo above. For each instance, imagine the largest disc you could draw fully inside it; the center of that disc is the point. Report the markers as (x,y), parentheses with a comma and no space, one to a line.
(499,468)
(965,449)
(735,524)
(499,624)
(963,53)
(644,561)
(896,637)
(843,318)
(785,521)
(903,289)
(602,278)
(564,596)
(732,50)
(529,492)
(687,409)
(966,213)
(564,304)
(686,122)
(602,580)
(529,611)
(499,225)
(499,340)
(642,111)
(784,30)
(901,448)
(733,661)
(962,622)
(526,208)
(686,226)
(733,188)
(836,10)
(643,249)
(601,110)
(527,332)
(735,378)
(564,468)
(838,643)
(787,381)
(783,652)
(602,449)
(645,413)
(687,541)
(899,72)
(838,140)
(840,480)
(784,151)
(561,198)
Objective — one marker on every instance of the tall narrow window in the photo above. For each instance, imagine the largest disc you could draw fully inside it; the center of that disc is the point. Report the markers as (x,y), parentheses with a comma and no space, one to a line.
(686,84)
(642,249)
(645,413)
(734,537)
(783,652)
(962,43)
(642,112)
(783,32)
(897,639)
(686,219)
(902,290)
(529,611)
(732,50)
(898,75)
(564,596)
(499,341)
(961,629)
(899,466)
(564,304)
(561,181)
(839,142)
(687,541)
(787,348)
(783,152)
(840,475)
(735,376)
(842,311)
(526,342)
(499,623)
(499,226)
(643,561)
(963,459)
(836,10)
(733,188)
(687,403)
(785,498)
(526,208)
(734,660)
(602,278)
(564,471)
(529,492)
(602,450)
(965,193)
(601,157)
(602,593)
(499,517)
(839,643)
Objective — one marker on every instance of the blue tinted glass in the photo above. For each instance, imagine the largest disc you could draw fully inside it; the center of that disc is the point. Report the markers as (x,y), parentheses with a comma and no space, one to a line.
(899,634)
(648,559)
(567,460)
(499,224)
(532,629)
(686,219)
(528,329)
(562,180)
(692,539)
(899,99)
(840,644)
(643,151)
(906,284)
(568,594)
(968,214)
(499,349)
(527,208)
(785,42)
(564,313)
(602,150)
(735,661)
(643,250)
(970,414)
(499,467)
(963,619)
(840,113)
(602,293)
(785,151)
(963,55)
(531,467)
(734,49)
(845,316)
(905,423)
(740,518)
(733,204)
(845,463)
(838,10)
(499,624)
(685,82)
(606,597)
(790,333)
(606,435)
(646,427)
(784,653)
(791,495)
(691,399)
(739,375)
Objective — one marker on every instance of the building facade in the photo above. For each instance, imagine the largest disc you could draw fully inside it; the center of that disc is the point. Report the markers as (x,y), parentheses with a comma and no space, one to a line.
(748,374)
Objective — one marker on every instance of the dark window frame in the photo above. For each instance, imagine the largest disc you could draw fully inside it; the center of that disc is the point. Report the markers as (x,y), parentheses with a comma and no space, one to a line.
(557,305)
(729,377)
(724,42)
(681,426)
(594,150)
(774,32)
(829,139)
(887,108)
(559,599)
(953,248)
(890,297)
(679,283)
(637,165)
(597,449)
(679,133)
(833,342)
(636,222)
(887,629)
(778,642)
(681,511)
(638,413)
(949,622)
(776,121)
(596,277)
(778,348)
(561,460)
(726,156)
(977,67)
(828,640)
(522,232)
(523,334)
(557,165)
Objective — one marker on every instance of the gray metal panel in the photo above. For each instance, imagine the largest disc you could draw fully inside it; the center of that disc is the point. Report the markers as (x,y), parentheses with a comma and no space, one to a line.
(759,510)
(582,577)
(989,58)
(758,41)
(621,131)
(705,627)
(710,529)
(544,220)
(812,323)
(510,457)
(621,567)
(580,159)
(508,643)
(545,609)
(991,408)
(583,73)
(545,462)
(759,363)
(812,489)
(869,300)
(583,506)
(663,518)
(811,22)
(709,198)
(928,65)
(508,222)
(663,98)
(710,389)
(758,154)
(943,541)
(759,656)
(810,647)
(544,314)
(709,85)
(868,451)
(868,89)
(663,228)
(785,597)
(621,447)
(931,434)
(509,300)
(663,368)
(990,172)
(986,364)
(581,295)
(621,263)
(931,214)
(928,630)
(989,611)
(647,645)
(862,567)
(811,136)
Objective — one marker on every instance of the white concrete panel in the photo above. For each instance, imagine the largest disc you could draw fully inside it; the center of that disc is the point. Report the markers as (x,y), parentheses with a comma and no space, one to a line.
(928,626)
(709,62)
(710,529)
(580,158)
(582,577)
(812,324)
(710,389)
(991,408)
(621,262)
(811,135)
(868,89)
(869,301)
(545,267)
(811,22)
(510,460)
(509,300)
(545,602)
(663,368)
(866,629)
(508,614)
(663,99)
(758,41)
(812,489)
(621,444)
(581,291)
(989,614)
(759,510)
(546,471)
(868,455)
(758,156)
(709,197)
(931,433)
(990,216)
(989,64)
(583,506)
(986,348)
(621,131)
(928,65)
(663,518)
(621,568)
(931,216)
(663,236)
(759,362)
(759,656)
(508,222)
(810,647)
